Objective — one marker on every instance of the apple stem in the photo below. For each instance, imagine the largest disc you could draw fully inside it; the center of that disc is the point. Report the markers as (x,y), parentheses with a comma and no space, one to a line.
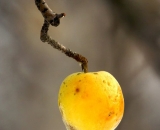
(55,21)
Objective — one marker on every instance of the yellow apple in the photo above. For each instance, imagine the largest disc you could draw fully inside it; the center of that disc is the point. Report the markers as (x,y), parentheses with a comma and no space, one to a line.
(91,101)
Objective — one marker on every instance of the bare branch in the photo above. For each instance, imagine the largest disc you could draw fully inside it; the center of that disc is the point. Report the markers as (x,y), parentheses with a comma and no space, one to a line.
(54,19)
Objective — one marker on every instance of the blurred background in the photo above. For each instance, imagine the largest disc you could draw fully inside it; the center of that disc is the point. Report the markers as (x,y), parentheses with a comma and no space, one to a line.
(118,36)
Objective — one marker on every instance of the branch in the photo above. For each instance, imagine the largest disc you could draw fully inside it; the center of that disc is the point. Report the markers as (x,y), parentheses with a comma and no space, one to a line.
(54,19)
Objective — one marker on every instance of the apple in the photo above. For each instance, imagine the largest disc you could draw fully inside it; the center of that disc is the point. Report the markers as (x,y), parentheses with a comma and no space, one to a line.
(91,101)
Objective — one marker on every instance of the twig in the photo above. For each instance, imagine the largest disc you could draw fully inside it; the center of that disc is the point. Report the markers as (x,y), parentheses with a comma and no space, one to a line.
(54,19)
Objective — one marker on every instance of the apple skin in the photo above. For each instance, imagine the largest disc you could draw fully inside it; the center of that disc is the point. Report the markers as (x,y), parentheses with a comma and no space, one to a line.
(91,101)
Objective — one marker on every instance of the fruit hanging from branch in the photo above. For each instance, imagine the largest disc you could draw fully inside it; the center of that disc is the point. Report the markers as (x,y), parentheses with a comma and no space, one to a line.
(91,101)
(87,100)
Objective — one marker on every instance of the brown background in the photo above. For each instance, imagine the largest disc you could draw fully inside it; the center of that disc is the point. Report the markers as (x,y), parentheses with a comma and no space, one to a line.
(118,36)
